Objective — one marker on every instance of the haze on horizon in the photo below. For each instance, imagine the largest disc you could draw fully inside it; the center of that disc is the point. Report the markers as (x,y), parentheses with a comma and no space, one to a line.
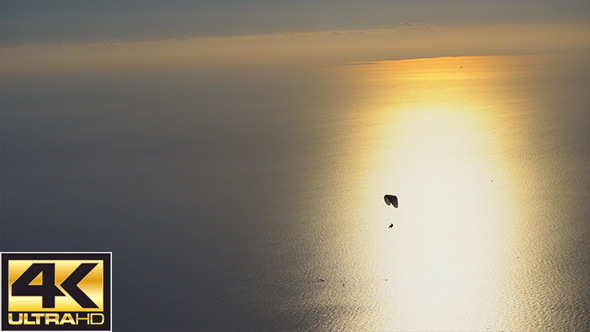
(70,35)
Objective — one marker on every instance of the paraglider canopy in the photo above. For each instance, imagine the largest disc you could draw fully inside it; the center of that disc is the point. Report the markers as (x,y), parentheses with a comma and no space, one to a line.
(391,200)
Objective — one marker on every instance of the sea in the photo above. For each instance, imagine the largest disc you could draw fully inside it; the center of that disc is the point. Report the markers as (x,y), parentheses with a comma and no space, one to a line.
(251,197)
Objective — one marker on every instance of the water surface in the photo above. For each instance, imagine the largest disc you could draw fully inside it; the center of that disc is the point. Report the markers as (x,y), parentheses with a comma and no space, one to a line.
(251,198)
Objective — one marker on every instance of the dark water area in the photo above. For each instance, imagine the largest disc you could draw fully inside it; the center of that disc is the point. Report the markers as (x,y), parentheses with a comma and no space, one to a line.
(252,198)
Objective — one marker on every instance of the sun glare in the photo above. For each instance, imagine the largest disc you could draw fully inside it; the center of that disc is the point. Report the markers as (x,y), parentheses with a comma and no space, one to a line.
(436,152)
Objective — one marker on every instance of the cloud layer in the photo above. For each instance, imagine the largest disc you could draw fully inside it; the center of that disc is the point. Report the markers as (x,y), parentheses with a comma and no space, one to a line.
(392,41)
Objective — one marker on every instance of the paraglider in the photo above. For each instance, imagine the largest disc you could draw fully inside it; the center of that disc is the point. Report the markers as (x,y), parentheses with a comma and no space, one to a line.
(391,200)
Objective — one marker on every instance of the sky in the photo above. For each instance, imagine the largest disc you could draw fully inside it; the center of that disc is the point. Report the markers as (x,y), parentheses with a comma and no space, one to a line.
(25,22)
(39,37)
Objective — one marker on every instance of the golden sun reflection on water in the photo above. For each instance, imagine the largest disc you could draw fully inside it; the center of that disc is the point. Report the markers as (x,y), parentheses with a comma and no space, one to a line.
(447,241)
(474,155)
(434,144)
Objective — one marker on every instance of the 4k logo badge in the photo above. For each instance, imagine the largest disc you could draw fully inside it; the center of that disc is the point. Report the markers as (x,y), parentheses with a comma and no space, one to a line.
(56,291)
